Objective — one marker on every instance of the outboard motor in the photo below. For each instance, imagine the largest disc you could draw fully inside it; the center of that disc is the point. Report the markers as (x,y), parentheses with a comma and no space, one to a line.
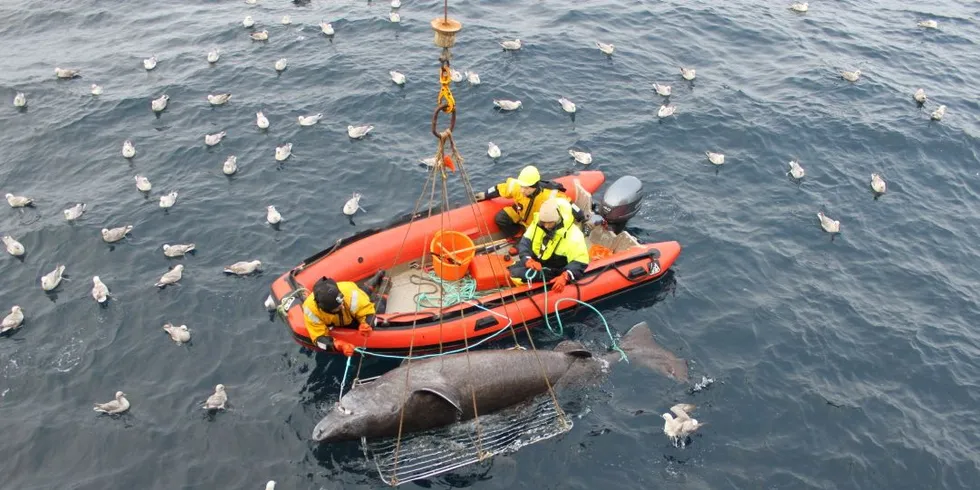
(620,202)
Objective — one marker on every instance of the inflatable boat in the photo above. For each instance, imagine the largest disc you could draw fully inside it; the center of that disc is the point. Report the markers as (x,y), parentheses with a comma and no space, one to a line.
(429,301)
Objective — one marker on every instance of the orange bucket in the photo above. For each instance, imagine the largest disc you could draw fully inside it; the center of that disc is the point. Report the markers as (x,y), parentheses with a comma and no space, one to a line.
(452,253)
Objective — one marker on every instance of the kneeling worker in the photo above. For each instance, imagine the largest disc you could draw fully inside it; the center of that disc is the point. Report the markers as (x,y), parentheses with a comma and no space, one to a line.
(528,192)
(553,246)
(337,305)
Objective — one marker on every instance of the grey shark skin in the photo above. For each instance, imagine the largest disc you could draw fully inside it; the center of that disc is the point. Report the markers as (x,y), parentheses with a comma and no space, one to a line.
(444,390)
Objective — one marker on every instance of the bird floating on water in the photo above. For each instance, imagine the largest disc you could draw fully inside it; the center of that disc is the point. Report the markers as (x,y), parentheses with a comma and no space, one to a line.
(286,20)
(251,2)
(455,75)
(508,105)
(567,105)
(606,48)
(666,110)
(143,183)
(110,235)
(96,89)
(179,334)
(218,99)
(353,204)
(271,484)
(800,7)
(358,132)
(272,215)
(119,405)
(851,76)
(396,4)
(688,73)
(14,247)
(310,120)
(128,149)
(230,166)
(100,292)
(20,100)
(583,157)
(878,184)
(394,17)
(428,162)
(160,103)
(681,425)
(213,139)
(929,24)
(52,279)
(937,115)
(261,121)
(177,250)
(262,35)
(795,170)
(715,158)
(920,96)
(493,150)
(473,77)
(244,267)
(171,276)
(663,90)
(150,63)
(326,28)
(269,303)
(67,73)
(828,225)
(74,212)
(514,45)
(218,400)
(13,320)
(280,65)
(18,201)
(283,151)
(397,77)
(213,55)
(248,22)
(167,200)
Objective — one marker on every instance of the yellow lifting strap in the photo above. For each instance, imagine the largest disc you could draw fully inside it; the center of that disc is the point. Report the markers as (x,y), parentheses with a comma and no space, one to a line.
(445,94)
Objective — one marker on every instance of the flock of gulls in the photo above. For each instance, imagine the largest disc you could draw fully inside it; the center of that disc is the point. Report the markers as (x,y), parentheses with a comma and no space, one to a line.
(677,426)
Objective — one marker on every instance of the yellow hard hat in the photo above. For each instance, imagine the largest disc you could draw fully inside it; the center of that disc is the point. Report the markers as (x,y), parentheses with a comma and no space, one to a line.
(549,211)
(529,176)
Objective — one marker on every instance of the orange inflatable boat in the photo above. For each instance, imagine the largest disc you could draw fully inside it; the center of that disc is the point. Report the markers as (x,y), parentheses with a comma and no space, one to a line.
(424,309)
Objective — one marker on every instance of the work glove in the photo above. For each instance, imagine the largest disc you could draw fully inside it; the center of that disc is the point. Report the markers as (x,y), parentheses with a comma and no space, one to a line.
(365,329)
(479,196)
(559,284)
(345,347)
(324,342)
(532,264)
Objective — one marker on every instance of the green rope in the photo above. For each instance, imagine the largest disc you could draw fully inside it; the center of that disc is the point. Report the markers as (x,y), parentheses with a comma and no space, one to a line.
(453,292)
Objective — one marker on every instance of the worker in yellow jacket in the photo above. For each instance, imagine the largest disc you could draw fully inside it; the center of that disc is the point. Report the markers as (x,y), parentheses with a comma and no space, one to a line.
(553,246)
(337,305)
(528,192)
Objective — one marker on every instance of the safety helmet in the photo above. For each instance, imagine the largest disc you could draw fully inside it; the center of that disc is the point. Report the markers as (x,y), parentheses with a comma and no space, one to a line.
(549,211)
(327,294)
(529,176)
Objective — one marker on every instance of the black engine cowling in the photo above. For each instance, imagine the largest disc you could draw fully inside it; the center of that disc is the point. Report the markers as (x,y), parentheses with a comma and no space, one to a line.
(620,202)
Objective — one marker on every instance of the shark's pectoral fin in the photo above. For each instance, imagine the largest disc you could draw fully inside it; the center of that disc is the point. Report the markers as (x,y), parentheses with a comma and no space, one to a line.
(639,345)
(445,392)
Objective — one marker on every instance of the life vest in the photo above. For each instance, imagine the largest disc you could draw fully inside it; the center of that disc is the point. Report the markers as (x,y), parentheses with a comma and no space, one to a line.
(356,308)
(524,208)
(567,242)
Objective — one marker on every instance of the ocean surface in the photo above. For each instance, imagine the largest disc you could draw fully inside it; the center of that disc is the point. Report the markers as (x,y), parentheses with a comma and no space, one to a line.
(839,362)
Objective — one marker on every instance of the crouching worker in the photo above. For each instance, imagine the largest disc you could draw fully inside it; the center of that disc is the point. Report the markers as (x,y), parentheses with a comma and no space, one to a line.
(528,192)
(337,305)
(552,246)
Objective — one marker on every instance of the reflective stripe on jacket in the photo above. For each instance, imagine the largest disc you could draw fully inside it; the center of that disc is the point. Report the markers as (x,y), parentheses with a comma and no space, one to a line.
(566,243)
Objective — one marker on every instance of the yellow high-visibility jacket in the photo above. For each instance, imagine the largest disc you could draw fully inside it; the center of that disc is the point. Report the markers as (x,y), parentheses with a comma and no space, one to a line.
(567,248)
(355,310)
(524,208)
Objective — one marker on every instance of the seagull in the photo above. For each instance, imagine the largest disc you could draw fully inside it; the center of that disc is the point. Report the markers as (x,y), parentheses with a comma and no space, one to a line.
(511,45)
(283,151)
(582,157)
(66,73)
(218,400)
(52,279)
(260,36)
(244,267)
(177,250)
(795,170)
(605,48)
(455,75)
(567,105)
(150,63)
(143,184)
(167,201)
(473,77)
(230,166)
(428,162)
(213,55)
(688,73)
(715,158)
(171,276)
(666,110)
(663,90)
(920,96)
(14,247)
(20,100)
(397,77)
(13,320)
(271,485)
(828,225)
(280,65)
(310,120)
(679,427)
(75,212)
(270,303)
(396,4)
(251,2)
(508,105)
(929,24)
(128,149)
(248,22)
(877,184)
(800,7)
(100,292)
(21,201)
(326,28)
(218,99)
(939,113)
(160,103)
(272,216)
(213,139)
(119,405)
(851,76)
(261,121)
(359,131)
(394,17)
(178,334)
(286,20)
(115,234)
(353,204)
(96,89)
(493,150)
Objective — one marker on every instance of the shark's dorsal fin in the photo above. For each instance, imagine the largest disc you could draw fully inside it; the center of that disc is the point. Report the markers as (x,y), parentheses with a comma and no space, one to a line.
(573,349)
(444,391)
